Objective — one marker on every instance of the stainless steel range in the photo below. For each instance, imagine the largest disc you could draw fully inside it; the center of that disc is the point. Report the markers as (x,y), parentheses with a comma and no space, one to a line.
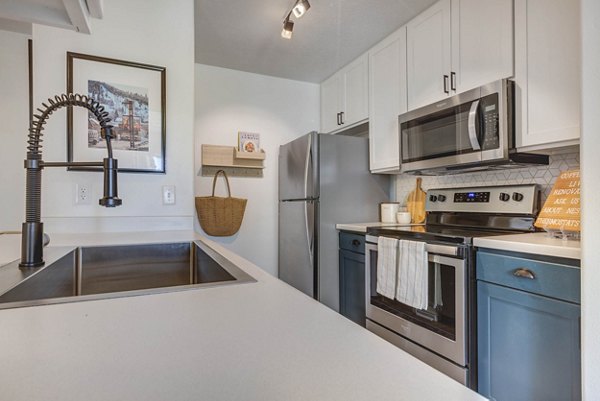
(444,334)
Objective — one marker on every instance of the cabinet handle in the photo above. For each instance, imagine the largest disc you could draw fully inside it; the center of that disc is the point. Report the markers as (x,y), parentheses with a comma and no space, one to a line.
(338,119)
(524,273)
(453,81)
(342,118)
(446,84)
(355,242)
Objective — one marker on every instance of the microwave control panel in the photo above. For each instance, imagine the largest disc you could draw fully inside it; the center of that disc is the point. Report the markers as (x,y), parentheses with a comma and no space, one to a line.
(489,112)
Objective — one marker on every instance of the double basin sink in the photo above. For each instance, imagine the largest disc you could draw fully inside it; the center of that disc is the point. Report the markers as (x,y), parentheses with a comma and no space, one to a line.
(89,273)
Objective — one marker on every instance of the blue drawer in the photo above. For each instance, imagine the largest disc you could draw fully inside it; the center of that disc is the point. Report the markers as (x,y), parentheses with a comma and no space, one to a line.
(537,277)
(352,242)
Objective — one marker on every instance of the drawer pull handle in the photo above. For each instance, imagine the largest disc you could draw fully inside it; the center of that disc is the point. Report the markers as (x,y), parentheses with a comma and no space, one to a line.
(355,242)
(524,273)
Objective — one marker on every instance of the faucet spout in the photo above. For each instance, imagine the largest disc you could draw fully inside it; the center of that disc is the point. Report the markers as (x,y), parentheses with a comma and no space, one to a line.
(33,229)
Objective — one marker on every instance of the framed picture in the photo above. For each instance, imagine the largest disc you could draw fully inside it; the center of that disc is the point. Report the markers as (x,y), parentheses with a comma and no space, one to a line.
(134,96)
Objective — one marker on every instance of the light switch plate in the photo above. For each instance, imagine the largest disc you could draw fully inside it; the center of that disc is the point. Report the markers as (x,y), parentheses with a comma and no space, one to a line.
(168,192)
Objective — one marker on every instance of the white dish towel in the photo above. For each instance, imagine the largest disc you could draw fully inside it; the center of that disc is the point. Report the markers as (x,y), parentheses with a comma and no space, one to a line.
(387,266)
(413,274)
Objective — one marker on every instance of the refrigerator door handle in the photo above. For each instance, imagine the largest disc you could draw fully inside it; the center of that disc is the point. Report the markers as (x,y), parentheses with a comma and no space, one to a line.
(307,166)
(309,220)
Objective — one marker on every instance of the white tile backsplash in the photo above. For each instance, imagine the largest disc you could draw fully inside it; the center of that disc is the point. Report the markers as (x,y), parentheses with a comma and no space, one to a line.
(544,176)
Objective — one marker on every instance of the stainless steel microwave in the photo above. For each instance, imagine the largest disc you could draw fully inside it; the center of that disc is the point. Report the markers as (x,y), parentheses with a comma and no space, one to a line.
(468,132)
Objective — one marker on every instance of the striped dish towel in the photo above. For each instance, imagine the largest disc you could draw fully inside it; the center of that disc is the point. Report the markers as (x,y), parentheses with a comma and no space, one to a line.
(387,266)
(413,274)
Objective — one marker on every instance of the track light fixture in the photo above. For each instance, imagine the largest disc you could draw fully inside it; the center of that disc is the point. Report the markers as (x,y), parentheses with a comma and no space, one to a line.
(288,27)
(298,9)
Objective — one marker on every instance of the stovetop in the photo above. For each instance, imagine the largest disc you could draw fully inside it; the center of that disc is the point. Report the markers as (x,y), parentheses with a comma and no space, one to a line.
(435,233)
(457,215)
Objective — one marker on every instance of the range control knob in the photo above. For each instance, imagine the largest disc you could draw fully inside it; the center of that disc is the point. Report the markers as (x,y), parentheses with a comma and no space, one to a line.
(504,197)
(517,196)
(442,198)
(433,198)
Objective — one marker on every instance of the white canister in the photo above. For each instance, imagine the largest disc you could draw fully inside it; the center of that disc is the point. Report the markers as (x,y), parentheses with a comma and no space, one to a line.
(388,211)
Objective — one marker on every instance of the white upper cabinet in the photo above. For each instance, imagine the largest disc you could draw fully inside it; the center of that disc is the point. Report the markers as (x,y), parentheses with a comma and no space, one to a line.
(457,45)
(387,99)
(548,63)
(345,97)
(428,55)
(356,92)
(482,42)
(331,103)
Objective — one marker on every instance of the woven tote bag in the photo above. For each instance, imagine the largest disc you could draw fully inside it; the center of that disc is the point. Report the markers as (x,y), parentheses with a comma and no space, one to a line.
(218,216)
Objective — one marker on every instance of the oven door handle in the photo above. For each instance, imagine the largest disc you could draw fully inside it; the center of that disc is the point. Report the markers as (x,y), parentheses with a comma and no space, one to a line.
(448,250)
(472,128)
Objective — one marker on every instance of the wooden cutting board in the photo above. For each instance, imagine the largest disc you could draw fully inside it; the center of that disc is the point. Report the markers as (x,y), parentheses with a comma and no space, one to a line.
(415,204)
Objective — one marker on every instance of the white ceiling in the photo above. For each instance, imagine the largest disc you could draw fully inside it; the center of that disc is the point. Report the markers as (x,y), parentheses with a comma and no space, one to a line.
(18,15)
(245,34)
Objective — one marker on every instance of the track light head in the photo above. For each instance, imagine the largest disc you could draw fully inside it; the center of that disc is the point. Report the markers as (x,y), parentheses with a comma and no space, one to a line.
(300,8)
(288,27)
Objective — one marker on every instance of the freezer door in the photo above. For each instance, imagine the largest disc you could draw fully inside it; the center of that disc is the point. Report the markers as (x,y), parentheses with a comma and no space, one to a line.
(297,251)
(297,168)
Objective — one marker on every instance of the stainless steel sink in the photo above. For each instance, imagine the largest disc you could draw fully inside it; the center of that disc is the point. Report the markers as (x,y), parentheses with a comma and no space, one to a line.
(89,273)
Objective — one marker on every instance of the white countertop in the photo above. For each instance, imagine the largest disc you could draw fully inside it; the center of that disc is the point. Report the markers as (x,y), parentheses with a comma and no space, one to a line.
(252,341)
(362,227)
(533,243)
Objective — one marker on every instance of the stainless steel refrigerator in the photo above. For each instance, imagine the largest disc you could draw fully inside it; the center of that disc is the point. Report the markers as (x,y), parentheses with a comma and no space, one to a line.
(323,180)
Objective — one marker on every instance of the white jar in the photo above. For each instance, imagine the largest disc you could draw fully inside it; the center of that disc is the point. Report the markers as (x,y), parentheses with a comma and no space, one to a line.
(388,211)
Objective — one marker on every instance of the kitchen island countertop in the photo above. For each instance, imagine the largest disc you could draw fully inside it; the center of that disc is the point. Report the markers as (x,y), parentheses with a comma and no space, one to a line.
(253,341)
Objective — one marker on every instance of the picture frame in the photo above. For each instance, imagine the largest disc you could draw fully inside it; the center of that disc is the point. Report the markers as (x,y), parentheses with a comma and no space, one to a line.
(134,95)
(248,142)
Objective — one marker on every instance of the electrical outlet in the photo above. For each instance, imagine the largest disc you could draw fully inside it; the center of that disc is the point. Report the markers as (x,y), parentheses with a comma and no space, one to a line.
(168,192)
(83,194)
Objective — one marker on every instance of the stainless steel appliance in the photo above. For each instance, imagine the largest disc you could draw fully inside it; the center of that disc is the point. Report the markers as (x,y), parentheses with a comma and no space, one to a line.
(444,335)
(470,131)
(323,180)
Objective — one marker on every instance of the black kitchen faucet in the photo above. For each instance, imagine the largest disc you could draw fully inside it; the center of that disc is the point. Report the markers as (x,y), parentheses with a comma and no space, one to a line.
(33,228)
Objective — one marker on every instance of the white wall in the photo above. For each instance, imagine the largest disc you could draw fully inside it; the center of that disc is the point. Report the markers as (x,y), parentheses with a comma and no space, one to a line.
(229,101)
(590,218)
(13,133)
(152,32)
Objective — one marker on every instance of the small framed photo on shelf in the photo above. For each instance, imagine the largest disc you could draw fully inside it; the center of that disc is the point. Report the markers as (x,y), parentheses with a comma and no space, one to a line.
(248,142)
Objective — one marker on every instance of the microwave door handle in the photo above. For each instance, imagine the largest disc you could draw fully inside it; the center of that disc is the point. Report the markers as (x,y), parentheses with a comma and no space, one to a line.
(472,127)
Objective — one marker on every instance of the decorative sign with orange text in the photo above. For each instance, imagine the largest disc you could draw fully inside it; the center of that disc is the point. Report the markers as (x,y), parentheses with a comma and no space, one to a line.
(561,210)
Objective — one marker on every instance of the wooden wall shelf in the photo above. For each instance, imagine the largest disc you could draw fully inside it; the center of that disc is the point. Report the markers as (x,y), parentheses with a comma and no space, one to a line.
(230,159)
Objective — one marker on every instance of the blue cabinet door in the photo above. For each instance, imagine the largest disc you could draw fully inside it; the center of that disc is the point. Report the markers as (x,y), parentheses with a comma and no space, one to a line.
(528,346)
(352,286)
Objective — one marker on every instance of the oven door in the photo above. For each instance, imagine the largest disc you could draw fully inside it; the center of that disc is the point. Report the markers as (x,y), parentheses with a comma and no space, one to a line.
(442,327)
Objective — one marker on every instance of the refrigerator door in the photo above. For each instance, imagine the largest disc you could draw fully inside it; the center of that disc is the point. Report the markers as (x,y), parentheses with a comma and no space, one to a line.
(297,249)
(297,168)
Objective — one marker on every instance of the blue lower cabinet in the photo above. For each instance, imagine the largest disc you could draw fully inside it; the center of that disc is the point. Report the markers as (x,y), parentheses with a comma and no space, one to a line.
(528,345)
(352,277)
(352,286)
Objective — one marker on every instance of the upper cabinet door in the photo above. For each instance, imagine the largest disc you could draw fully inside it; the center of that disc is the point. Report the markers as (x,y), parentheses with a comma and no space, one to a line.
(482,42)
(387,100)
(330,104)
(428,55)
(548,64)
(355,94)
